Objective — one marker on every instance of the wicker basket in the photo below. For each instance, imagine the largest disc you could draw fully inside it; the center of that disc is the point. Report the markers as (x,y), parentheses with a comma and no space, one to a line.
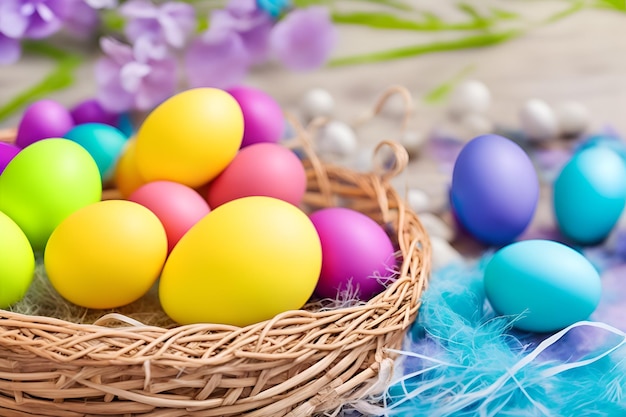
(299,363)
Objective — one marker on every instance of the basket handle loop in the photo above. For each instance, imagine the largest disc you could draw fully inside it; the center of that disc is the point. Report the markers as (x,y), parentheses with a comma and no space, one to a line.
(303,140)
(409,106)
(387,168)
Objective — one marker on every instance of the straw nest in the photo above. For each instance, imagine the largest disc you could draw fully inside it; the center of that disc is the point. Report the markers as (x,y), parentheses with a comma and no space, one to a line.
(297,364)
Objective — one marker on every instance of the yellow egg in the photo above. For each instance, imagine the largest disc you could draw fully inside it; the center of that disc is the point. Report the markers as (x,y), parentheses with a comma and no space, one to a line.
(190,138)
(106,255)
(243,263)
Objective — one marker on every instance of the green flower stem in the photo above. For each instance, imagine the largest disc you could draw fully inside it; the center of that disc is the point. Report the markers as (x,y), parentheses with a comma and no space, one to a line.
(475,41)
(394,4)
(378,20)
(612,4)
(442,91)
(575,7)
(61,77)
(112,21)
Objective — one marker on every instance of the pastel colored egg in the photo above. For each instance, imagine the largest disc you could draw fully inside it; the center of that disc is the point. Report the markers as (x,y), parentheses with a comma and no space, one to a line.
(103,142)
(45,183)
(589,195)
(573,118)
(7,152)
(544,284)
(91,111)
(262,115)
(126,124)
(42,120)
(243,263)
(611,141)
(176,205)
(127,177)
(538,121)
(469,97)
(494,190)
(317,102)
(338,139)
(267,169)
(106,255)
(17,262)
(190,138)
(357,254)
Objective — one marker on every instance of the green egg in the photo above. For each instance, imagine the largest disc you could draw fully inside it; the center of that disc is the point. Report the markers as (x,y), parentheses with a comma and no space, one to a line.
(17,262)
(46,182)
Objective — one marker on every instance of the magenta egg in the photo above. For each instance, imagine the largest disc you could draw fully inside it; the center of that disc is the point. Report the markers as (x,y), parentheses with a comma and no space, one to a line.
(90,111)
(261,169)
(357,254)
(7,152)
(263,117)
(43,119)
(178,206)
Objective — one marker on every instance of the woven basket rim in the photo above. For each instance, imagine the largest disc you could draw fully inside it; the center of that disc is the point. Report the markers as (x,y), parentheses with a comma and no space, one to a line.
(297,363)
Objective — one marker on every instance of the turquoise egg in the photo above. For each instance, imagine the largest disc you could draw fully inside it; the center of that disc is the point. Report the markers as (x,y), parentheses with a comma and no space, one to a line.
(589,195)
(103,142)
(547,283)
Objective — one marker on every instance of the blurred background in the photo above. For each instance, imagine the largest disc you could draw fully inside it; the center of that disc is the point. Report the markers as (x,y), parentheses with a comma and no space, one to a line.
(469,67)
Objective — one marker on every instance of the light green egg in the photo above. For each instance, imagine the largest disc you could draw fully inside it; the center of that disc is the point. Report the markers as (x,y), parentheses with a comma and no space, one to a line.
(17,262)
(45,183)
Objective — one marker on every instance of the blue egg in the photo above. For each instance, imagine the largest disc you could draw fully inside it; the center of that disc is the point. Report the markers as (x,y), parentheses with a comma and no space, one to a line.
(589,195)
(494,190)
(548,283)
(103,142)
(611,141)
(125,124)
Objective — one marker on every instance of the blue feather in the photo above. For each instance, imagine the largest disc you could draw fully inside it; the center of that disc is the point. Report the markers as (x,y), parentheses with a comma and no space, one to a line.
(461,360)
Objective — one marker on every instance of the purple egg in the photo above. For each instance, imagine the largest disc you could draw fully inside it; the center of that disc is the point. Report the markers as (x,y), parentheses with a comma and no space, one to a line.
(356,253)
(263,117)
(494,189)
(90,111)
(7,152)
(43,119)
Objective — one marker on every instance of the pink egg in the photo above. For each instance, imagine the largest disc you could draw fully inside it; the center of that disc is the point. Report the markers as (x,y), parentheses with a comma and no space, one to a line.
(263,117)
(42,120)
(357,254)
(262,169)
(178,206)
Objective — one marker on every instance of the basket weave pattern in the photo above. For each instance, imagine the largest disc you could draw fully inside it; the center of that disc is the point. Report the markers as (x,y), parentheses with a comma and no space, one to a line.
(297,364)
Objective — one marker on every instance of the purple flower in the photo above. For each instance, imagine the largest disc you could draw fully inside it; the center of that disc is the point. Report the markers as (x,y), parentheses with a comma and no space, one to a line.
(216,59)
(10,50)
(134,78)
(237,38)
(33,19)
(304,39)
(171,23)
(83,19)
(252,24)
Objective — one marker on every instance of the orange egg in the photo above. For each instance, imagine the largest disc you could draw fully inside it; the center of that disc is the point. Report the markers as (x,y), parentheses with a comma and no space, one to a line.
(127,176)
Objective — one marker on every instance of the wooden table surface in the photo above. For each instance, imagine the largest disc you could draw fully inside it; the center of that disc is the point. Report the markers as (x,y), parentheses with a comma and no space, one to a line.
(580,57)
